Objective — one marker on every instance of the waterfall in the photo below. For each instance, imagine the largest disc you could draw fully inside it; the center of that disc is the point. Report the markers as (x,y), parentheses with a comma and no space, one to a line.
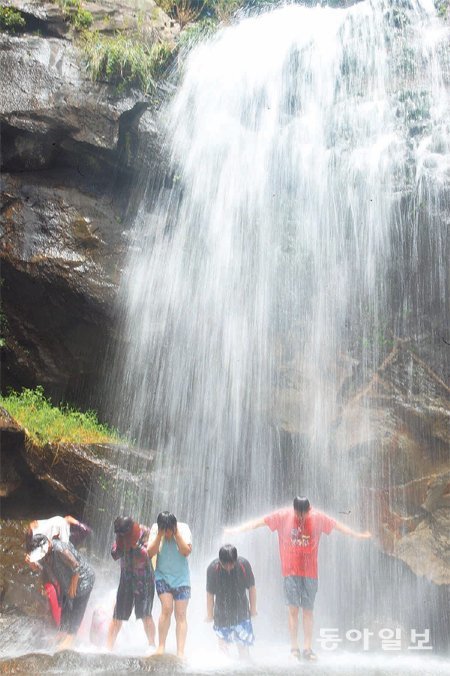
(308,151)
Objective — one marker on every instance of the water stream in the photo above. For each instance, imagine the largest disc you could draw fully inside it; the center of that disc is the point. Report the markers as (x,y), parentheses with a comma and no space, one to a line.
(297,236)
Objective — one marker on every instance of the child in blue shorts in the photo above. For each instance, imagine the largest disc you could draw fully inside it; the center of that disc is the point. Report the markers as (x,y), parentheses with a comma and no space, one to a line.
(228,579)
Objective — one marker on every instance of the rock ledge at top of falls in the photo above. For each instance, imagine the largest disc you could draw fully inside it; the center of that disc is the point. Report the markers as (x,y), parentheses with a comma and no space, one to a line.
(72,154)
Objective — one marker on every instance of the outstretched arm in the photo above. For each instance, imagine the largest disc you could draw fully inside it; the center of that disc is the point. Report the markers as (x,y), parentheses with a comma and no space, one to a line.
(248,525)
(342,528)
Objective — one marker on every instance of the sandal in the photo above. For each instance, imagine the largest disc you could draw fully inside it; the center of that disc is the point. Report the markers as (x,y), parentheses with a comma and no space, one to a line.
(309,655)
(295,653)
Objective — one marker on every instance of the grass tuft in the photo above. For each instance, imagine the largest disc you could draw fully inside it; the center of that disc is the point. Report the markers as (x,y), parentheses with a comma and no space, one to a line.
(46,423)
(11,20)
(124,60)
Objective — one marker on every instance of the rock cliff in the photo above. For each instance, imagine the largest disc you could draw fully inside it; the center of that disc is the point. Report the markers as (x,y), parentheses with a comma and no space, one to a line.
(70,161)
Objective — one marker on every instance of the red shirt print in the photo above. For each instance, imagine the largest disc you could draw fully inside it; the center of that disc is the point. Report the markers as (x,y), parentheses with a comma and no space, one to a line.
(299,539)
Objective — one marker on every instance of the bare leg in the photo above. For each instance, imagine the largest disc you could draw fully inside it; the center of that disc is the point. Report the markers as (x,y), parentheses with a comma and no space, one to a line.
(113,630)
(66,642)
(308,627)
(243,652)
(149,628)
(164,621)
(180,618)
(293,626)
(60,636)
(223,645)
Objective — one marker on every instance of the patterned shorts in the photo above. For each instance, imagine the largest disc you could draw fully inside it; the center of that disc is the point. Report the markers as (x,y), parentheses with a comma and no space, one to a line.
(179,593)
(241,633)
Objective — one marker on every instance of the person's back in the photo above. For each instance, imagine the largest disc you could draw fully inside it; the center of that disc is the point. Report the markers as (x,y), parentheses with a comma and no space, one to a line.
(54,527)
(63,561)
(67,568)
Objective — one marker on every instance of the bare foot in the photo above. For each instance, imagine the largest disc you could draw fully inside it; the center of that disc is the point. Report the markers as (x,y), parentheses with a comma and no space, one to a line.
(159,650)
(66,643)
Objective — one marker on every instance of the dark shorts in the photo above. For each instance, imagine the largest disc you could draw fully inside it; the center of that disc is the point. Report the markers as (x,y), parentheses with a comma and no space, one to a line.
(300,591)
(179,593)
(72,613)
(127,597)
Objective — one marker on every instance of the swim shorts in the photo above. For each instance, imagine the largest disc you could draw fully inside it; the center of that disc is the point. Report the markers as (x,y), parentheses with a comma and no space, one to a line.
(179,593)
(241,633)
(300,591)
(127,597)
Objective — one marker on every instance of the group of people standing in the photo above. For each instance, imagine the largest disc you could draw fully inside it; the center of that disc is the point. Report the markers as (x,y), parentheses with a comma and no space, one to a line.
(169,544)
(156,558)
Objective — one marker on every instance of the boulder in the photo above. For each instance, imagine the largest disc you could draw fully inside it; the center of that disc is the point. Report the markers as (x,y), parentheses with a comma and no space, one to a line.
(78,478)
(395,434)
(20,587)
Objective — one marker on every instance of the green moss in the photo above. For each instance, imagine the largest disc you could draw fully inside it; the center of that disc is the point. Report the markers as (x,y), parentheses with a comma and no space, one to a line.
(442,8)
(81,19)
(11,20)
(75,14)
(125,61)
(49,424)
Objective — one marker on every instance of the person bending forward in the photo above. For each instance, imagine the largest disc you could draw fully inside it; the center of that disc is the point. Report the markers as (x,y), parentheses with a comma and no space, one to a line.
(228,579)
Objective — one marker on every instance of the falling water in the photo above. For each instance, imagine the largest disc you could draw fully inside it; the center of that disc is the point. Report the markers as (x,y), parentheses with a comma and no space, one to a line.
(309,149)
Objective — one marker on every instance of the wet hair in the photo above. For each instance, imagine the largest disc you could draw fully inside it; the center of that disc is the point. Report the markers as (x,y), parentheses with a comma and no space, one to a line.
(301,505)
(123,525)
(228,554)
(166,521)
(34,541)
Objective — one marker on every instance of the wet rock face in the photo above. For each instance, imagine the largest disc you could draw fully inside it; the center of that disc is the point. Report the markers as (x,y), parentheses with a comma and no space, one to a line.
(20,587)
(73,662)
(397,432)
(60,277)
(70,161)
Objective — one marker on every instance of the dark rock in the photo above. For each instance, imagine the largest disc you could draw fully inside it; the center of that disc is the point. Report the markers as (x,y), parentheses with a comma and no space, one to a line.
(72,474)
(60,271)
(20,587)
(12,467)
(72,151)
(71,155)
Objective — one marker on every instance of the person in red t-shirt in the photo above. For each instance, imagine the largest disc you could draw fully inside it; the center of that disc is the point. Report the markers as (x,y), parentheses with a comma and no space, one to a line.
(299,530)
